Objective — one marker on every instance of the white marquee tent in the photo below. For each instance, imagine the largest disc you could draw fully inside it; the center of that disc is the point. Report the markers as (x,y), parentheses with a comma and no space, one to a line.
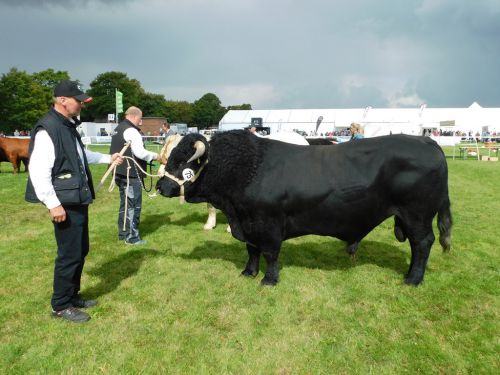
(376,121)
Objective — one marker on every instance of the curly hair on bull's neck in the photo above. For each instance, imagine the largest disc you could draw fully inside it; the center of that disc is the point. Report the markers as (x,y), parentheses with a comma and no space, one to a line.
(234,158)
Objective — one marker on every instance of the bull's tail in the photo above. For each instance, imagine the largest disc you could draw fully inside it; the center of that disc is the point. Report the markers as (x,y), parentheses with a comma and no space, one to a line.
(445,223)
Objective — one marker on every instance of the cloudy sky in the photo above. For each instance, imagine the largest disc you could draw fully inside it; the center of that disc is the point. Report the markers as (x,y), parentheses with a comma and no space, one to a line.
(273,54)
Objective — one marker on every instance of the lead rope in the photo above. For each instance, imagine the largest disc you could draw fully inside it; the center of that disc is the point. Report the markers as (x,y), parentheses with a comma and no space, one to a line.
(159,175)
(112,186)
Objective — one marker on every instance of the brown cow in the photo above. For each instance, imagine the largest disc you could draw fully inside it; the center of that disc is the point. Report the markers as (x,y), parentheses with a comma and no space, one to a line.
(15,150)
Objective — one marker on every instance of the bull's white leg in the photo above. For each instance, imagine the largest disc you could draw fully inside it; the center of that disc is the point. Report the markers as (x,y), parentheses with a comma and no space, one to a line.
(212,218)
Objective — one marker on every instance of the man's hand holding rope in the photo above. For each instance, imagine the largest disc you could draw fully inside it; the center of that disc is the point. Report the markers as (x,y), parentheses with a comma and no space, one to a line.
(58,214)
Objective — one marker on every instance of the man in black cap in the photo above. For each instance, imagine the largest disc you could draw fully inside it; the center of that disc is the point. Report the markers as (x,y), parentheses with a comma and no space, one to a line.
(60,178)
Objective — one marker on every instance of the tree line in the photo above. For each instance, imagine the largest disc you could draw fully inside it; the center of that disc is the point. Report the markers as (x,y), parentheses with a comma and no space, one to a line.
(24,98)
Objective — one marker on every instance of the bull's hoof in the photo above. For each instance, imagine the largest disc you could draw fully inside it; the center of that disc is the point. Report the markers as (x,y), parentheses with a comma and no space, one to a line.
(268,281)
(249,273)
(208,227)
(445,243)
(413,281)
(352,248)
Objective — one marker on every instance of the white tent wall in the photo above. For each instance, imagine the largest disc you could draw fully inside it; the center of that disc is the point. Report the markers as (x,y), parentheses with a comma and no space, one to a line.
(93,129)
(376,121)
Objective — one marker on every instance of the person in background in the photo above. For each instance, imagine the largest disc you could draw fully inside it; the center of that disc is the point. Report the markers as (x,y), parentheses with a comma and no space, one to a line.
(167,132)
(252,129)
(128,176)
(356,131)
(60,178)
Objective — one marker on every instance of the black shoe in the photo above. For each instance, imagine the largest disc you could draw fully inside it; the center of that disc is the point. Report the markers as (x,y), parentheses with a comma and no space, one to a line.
(81,303)
(72,314)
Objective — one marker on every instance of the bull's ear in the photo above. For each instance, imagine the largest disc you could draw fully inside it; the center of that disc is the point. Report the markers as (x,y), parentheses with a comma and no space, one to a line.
(200,150)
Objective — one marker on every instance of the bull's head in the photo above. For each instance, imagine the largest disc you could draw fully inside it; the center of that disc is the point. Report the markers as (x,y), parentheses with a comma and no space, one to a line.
(170,143)
(185,163)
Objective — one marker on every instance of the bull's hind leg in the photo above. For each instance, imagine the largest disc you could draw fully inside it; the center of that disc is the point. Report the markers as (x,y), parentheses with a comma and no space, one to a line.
(212,218)
(252,267)
(352,248)
(421,241)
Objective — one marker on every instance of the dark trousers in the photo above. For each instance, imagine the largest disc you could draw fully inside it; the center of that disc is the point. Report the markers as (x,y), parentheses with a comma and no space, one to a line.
(134,204)
(72,237)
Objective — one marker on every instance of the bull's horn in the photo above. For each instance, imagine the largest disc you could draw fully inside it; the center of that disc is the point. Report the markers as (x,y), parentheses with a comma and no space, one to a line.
(200,150)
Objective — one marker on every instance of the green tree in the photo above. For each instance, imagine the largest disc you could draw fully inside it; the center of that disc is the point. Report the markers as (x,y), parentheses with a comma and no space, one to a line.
(207,111)
(178,111)
(22,101)
(102,90)
(49,78)
(152,105)
(241,107)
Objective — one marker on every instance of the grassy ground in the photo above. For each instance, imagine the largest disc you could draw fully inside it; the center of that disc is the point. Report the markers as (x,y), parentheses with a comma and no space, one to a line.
(178,305)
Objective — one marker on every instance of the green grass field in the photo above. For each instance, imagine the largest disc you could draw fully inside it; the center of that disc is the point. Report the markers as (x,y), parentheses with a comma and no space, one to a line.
(179,306)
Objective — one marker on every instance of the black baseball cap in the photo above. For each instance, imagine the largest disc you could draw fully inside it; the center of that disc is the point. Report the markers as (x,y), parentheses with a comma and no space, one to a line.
(71,89)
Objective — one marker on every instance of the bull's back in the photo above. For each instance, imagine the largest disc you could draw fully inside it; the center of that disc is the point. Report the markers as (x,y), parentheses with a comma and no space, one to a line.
(14,146)
(311,172)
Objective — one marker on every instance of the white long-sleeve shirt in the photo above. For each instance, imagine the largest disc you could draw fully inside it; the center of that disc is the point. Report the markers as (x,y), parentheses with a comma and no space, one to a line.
(137,146)
(42,161)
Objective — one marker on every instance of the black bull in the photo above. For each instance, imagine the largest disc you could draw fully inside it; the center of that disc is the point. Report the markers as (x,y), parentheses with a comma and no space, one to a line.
(271,191)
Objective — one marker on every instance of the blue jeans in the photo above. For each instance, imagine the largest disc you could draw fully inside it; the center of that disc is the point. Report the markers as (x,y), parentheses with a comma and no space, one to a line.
(134,204)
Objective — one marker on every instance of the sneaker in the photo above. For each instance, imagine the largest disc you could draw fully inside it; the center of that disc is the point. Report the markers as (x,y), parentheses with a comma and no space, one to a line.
(72,314)
(81,303)
(140,242)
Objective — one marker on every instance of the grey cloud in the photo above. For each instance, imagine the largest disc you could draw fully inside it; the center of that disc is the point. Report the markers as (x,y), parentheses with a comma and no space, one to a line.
(58,3)
(296,54)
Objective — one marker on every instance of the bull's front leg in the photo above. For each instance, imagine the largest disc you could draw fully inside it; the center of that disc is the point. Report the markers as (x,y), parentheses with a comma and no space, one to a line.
(15,164)
(252,267)
(272,271)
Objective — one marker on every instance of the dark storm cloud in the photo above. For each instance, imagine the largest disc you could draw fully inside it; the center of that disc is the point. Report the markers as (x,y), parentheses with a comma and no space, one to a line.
(62,3)
(272,54)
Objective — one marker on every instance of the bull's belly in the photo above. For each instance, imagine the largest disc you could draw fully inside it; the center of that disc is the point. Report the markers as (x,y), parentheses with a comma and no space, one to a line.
(347,227)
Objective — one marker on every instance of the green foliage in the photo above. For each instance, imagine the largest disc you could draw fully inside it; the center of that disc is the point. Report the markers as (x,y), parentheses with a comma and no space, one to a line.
(24,98)
(22,101)
(207,111)
(178,111)
(179,306)
(49,79)
(152,105)
(102,90)
(241,107)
